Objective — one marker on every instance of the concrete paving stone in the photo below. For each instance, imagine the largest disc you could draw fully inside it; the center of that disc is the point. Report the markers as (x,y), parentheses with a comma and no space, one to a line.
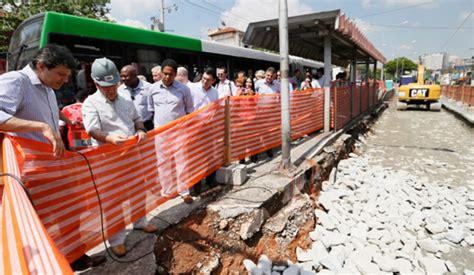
(368,268)
(359,255)
(333,238)
(306,267)
(265,264)
(376,234)
(327,222)
(470,240)
(318,251)
(252,226)
(326,272)
(359,233)
(252,268)
(439,236)
(304,255)
(451,267)
(317,233)
(455,235)
(307,272)
(436,227)
(278,268)
(429,245)
(433,265)
(339,253)
(403,265)
(385,263)
(291,270)
(331,263)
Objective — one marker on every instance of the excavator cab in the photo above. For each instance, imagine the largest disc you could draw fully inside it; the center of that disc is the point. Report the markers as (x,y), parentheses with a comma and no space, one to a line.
(419,94)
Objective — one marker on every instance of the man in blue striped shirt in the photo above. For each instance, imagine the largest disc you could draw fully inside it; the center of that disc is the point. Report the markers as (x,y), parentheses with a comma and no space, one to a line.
(28,106)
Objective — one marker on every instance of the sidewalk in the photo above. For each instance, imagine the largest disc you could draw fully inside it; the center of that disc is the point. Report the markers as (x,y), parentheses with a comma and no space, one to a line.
(459,109)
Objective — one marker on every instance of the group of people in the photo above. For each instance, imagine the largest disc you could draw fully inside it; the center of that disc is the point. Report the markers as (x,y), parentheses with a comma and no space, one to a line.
(123,106)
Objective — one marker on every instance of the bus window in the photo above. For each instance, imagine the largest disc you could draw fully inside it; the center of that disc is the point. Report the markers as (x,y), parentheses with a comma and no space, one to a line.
(146,60)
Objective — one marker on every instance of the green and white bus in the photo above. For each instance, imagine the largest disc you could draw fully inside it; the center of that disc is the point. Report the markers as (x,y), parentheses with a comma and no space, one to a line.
(89,39)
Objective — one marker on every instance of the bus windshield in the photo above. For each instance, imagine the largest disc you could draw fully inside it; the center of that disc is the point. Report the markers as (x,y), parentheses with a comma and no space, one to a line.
(24,44)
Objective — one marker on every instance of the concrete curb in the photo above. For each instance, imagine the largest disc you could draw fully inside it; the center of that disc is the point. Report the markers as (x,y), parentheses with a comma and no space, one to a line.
(462,111)
(271,191)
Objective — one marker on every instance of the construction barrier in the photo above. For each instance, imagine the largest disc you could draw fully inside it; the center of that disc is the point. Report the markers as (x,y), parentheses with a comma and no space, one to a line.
(25,245)
(126,182)
(464,93)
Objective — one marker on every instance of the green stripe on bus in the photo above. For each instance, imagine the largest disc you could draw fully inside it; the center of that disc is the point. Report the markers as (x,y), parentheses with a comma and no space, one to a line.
(86,27)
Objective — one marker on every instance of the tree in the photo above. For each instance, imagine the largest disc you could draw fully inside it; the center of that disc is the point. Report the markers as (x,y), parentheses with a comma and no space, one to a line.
(399,64)
(14,12)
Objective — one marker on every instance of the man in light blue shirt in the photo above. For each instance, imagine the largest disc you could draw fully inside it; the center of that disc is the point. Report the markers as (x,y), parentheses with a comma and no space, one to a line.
(169,100)
(136,90)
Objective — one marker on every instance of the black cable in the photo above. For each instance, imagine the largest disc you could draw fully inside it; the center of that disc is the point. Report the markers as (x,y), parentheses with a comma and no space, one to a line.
(22,185)
(102,219)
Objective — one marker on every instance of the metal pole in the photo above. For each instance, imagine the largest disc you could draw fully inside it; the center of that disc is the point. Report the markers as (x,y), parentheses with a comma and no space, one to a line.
(162,14)
(227,145)
(285,164)
(327,83)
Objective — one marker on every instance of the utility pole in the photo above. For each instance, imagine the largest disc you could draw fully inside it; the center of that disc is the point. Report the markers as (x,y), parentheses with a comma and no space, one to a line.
(162,15)
(159,24)
(285,164)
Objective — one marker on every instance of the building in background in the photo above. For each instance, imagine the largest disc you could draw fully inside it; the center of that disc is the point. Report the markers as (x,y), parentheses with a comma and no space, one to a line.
(227,35)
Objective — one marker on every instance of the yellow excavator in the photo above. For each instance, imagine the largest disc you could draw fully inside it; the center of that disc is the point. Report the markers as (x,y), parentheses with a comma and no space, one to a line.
(419,93)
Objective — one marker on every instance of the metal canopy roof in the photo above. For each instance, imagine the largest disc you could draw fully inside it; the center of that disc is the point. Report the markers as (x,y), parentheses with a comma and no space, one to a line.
(306,37)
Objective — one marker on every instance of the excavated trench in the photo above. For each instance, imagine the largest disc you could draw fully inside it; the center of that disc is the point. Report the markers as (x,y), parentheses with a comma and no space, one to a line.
(205,243)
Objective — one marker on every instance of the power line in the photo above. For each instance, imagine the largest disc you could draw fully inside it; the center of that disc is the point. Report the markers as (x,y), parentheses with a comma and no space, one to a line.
(402,8)
(449,39)
(229,12)
(213,11)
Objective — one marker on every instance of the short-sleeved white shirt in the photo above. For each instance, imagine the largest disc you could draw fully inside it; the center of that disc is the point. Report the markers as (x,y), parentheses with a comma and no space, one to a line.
(117,117)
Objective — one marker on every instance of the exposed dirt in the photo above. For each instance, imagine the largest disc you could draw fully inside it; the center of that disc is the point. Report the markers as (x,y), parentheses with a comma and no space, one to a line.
(191,244)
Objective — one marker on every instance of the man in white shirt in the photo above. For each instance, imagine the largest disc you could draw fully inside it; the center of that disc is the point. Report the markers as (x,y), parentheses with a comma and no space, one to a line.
(156,73)
(202,92)
(268,85)
(111,118)
(225,87)
(182,76)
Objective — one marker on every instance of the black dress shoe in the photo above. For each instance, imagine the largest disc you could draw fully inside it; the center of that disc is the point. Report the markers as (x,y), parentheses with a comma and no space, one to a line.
(254,158)
(85,262)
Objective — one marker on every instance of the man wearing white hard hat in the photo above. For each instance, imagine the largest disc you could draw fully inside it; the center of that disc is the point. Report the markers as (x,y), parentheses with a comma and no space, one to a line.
(110,118)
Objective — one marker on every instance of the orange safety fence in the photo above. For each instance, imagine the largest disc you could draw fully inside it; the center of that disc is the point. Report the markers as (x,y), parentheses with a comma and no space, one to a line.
(25,245)
(132,179)
(255,124)
(343,100)
(356,107)
(464,93)
(307,112)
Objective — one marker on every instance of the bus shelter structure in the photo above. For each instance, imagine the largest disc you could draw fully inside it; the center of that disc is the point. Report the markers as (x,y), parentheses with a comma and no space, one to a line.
(327,36)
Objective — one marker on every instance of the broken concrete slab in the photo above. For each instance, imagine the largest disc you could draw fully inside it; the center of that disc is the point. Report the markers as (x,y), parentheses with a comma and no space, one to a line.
(253,223)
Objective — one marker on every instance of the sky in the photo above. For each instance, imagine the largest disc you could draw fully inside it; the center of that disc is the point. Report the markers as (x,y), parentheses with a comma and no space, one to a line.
(396,28)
